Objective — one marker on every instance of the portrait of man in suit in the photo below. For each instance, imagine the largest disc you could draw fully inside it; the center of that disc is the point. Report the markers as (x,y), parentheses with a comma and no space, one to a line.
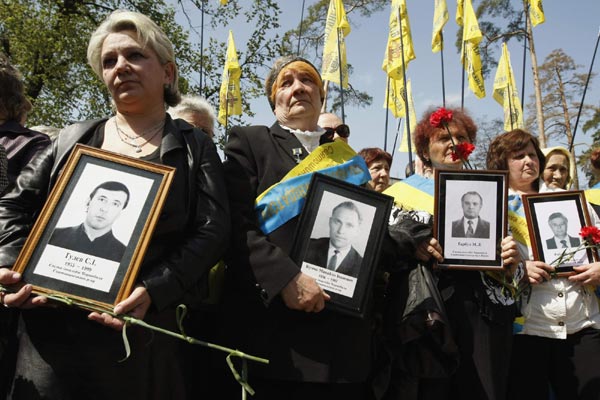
(561,239)
(471,225)
(336,252)
(94,236)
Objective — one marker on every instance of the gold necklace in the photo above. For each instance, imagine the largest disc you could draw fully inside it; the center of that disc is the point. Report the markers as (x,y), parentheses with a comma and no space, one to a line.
(131,140)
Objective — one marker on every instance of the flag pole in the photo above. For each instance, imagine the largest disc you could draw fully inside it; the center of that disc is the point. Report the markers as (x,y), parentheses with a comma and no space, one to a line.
(443,79)
(524,55)
(300,29)
(587,81)
(387,113)
(462,88)
(396,138)
(339,32)
(201,48)
(404,93)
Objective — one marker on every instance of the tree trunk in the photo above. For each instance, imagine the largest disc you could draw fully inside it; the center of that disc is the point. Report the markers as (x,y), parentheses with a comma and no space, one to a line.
(568,132)
(536,85)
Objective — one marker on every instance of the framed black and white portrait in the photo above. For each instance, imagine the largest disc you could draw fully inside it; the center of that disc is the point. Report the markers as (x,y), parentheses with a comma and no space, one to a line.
(339,238)
(554,220)
(470,218)
(92,233)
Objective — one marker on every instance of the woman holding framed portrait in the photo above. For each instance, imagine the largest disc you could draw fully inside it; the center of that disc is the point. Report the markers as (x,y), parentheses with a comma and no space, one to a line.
(558,345)
(480,313)
(62,354)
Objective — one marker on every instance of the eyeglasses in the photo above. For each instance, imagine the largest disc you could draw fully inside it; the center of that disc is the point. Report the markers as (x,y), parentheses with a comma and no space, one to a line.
(342,130)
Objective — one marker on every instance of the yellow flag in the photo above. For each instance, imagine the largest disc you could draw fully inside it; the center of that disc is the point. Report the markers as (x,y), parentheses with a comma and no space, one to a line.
(471,59)
(459,12)
(413,122)
(505,92)
(440,17)
(392,61)
(223,2)
(230,96)
(394,98)
(336,29)
(536,12)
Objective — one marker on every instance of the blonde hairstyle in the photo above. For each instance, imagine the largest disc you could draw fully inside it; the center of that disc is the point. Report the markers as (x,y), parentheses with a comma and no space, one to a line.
(149,35)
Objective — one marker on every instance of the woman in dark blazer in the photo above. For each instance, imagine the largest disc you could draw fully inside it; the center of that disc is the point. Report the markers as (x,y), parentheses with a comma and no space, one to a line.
(272,309)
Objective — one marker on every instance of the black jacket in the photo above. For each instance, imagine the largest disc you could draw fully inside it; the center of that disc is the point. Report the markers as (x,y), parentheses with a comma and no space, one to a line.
(310,347)
(193,227)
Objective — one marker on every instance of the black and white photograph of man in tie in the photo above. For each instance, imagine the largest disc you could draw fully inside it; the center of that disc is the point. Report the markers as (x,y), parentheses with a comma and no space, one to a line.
(337,252)
(561,238)
(471,225)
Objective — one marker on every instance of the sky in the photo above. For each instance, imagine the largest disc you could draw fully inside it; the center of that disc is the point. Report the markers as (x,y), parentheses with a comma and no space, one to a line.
(571,26)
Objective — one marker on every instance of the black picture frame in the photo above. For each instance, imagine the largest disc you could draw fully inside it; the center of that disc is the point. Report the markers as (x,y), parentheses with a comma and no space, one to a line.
(543,211)
(105,273)
(349,284)
(481,249)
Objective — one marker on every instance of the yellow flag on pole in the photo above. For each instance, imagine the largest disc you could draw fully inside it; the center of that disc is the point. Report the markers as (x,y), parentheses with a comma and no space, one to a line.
(536,12)
(505,92)
(413,122)
(440,17)
(459,12)
(336,29)
(230,96)
(392,61)
(394,98)
(471,58)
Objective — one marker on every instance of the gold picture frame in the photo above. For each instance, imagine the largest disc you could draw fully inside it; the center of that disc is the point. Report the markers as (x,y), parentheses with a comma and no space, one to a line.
(121,198)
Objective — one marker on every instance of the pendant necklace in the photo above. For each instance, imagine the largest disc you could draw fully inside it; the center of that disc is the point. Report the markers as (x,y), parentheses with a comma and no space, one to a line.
(131,140)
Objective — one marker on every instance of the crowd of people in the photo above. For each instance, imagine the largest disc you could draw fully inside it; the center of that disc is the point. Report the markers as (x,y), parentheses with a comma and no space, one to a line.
(462,346)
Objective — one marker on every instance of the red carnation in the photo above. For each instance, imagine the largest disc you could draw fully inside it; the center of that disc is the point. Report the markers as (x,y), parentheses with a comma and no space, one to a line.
(591,234)
(440,118)
(462,151)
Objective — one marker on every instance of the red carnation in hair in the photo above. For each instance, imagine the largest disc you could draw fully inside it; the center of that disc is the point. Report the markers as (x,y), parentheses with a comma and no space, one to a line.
(440,118)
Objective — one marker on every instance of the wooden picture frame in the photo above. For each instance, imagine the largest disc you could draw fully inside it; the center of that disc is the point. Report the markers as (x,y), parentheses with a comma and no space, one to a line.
(91,235)
(554,217)
(339,217)
(474,197)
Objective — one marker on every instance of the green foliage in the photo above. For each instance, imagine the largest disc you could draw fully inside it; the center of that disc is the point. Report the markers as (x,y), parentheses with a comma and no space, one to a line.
(47,41)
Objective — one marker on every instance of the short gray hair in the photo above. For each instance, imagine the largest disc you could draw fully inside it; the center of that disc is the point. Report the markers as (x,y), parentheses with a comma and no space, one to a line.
(197,105)
(148,35)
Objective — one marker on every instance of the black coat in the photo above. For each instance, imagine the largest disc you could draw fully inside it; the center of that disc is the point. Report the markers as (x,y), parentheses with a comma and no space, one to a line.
(193,227)
(310,347)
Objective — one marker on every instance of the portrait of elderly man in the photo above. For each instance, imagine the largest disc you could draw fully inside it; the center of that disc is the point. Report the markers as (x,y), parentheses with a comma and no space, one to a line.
(471,225)
(561,239)
(336,252)
(94,236)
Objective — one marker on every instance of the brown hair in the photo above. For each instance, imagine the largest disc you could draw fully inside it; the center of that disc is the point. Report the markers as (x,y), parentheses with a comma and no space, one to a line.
(595,158)
(372,154)
(425,132)
(14,105)
(507,144)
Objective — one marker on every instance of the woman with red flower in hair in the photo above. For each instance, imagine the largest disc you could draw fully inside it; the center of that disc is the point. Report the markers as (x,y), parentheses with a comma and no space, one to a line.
(479,312)
(558,345)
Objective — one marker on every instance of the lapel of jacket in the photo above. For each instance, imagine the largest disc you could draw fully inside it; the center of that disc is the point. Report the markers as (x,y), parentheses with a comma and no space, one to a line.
(287,142)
